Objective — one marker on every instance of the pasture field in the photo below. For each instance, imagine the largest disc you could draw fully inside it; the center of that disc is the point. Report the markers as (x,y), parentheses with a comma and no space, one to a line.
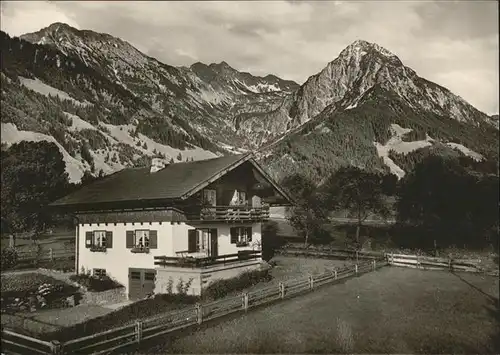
(393,310)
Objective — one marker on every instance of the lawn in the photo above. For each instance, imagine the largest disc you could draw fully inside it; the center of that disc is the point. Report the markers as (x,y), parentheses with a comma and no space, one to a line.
(393,310)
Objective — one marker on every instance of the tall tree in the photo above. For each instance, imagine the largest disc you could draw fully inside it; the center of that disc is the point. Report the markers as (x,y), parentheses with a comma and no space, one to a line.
(33,175)
(449,203)
(307,215)
(358,192)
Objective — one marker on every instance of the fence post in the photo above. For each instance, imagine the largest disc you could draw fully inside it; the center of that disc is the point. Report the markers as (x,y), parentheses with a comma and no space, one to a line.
(199,313)
(356,269)
(138,331)
(311,282)
(374,264)
(282,290)
(335,271)
(51,254)
(392,259)
(418,262)
(245,301)
(55,347)
(449,263)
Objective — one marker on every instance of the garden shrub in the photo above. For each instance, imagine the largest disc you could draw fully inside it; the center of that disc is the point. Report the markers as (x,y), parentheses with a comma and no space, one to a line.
(94,283)
(221,288)
(32,291)
(9,258)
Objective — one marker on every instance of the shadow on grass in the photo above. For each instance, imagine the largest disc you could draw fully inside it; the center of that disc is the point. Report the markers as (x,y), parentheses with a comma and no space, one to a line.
(490,297)
(266,344)
(494,311)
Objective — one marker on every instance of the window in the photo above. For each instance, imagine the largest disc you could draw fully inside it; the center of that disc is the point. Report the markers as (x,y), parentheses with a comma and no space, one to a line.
(210,197)
(239,198)
(199,239)
(142,239)
(241,235)
(99,239)
(99,272)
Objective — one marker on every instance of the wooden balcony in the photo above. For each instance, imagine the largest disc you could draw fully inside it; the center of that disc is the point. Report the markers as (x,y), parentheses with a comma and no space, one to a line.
(230,214)
(191,262)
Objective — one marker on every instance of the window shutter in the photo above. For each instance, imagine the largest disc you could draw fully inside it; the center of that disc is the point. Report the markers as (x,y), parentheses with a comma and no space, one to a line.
(109,239)
(234,235)
(88,239)
(249,234)
(153,239)
(213,233)
(192,236)
(130,239)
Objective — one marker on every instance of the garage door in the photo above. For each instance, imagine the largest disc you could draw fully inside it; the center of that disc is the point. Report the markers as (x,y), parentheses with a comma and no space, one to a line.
(141,282)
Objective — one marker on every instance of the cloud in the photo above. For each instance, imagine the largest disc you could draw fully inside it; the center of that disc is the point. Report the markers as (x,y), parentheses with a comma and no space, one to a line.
(454,43)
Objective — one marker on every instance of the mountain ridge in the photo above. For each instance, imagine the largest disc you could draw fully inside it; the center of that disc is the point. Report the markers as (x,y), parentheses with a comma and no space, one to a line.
(222,110)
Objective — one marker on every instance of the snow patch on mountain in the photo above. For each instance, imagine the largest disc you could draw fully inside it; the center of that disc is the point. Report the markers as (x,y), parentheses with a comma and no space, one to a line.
(11,135)
(38,86)
(262,87)
(396,144)
(77,124)
(466,151)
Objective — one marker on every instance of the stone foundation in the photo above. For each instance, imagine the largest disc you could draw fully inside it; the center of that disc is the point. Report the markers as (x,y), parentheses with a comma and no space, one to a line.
(115,295)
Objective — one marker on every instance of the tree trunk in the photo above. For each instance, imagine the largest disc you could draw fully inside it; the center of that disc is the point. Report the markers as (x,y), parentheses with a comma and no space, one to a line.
(358,228)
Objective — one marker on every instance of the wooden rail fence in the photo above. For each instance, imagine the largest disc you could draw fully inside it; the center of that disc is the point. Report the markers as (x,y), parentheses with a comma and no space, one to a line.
(434,263)
(133,334)
(44,254)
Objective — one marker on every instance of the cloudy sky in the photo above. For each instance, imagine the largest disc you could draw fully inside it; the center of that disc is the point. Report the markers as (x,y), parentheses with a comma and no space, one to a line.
(453,43)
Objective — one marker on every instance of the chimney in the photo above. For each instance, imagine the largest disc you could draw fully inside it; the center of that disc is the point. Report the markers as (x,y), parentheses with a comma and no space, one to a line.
(156,165)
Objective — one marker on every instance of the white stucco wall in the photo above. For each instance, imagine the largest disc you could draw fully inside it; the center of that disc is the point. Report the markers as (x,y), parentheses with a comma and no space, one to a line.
(118,259)
(171,238)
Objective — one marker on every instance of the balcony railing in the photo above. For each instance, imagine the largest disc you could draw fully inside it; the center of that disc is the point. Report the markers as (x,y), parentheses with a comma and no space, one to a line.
(230,213)
(191,262)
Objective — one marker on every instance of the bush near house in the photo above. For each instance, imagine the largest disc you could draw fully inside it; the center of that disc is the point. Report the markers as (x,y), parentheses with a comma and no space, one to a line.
(94,283)
(9,258)
(221,288)
(31,291)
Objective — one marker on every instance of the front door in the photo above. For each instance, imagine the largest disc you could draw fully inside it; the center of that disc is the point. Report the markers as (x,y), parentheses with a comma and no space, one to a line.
(214,245)
(141,283)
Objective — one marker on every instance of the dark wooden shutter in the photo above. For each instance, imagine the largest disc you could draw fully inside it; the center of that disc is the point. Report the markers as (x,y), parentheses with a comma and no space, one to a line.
(234,235)
(88,239)
(130,239)
(109,239)
(192,236)
(213,233)
(249,234)
(153,239)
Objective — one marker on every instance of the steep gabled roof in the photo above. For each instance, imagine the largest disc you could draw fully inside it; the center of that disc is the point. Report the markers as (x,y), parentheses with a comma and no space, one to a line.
(174,182)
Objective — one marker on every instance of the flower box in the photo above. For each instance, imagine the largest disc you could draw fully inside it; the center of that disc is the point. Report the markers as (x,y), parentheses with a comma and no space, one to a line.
(96,249)
(241,244)
(137,250)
